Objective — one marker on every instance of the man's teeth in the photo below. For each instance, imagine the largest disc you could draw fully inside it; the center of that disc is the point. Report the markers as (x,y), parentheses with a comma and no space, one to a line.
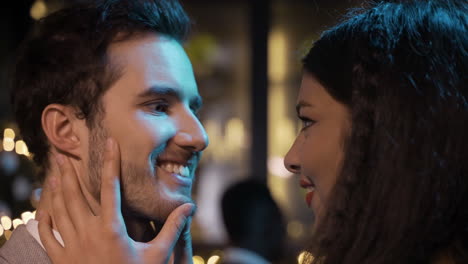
(176,168)
(310,189)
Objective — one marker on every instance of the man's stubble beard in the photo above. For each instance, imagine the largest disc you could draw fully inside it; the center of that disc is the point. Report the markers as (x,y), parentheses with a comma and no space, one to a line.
(139,193)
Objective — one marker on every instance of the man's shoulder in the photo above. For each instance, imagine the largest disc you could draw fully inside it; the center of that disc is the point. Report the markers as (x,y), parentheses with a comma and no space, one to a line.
(22,248)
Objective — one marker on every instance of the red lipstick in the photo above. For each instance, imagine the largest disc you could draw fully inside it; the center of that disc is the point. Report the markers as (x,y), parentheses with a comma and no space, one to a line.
(309,197)
(310,187)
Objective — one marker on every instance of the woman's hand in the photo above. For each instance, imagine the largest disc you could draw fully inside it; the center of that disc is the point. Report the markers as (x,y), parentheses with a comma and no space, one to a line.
(104,238)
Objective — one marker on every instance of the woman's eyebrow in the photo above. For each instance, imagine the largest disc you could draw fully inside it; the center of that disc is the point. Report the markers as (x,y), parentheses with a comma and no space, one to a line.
(302,104)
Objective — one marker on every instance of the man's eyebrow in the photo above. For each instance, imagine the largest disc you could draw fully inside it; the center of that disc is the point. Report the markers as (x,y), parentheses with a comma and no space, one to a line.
(156,90)
(302,104)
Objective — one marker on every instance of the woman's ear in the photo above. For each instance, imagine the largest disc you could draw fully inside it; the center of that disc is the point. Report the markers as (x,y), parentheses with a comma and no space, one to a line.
(59,125)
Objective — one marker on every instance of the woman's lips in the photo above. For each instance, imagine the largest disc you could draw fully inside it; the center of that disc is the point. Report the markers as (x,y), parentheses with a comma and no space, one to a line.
(309,197)
(310,187)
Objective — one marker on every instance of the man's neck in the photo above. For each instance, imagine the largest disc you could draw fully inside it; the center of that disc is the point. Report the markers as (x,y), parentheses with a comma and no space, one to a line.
(139,229)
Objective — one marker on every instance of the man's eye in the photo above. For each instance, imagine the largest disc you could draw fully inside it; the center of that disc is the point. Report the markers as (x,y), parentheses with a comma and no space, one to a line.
(196,112)
(159,107)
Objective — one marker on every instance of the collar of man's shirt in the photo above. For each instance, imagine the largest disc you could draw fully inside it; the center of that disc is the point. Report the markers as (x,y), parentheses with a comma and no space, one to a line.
(33,229)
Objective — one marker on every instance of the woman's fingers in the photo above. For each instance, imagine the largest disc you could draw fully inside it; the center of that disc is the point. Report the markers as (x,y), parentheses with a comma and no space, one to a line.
(172,230)
(110,183)
(76,204)
(52,246)
(60,213)
(183,251)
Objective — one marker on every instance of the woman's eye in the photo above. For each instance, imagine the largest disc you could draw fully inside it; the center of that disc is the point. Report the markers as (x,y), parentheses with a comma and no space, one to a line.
(306,122)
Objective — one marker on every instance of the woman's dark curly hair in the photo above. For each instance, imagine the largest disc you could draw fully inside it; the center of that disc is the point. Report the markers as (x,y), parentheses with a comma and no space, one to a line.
(402,194)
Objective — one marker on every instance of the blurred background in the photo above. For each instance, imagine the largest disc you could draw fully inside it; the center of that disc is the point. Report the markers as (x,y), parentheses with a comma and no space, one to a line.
(246,56)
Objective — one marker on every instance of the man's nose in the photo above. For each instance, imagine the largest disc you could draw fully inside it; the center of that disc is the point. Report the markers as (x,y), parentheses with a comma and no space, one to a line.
(191,134)
(292,161)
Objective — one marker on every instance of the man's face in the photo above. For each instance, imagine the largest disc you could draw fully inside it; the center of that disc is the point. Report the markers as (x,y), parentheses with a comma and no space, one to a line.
(150,111)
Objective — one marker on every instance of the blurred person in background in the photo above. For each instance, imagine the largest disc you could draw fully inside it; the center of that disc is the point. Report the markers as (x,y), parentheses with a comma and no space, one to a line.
(110,69)
(254,224)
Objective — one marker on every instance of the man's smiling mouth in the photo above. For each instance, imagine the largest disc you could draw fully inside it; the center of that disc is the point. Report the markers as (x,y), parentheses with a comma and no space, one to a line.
(173,167)
(180,164)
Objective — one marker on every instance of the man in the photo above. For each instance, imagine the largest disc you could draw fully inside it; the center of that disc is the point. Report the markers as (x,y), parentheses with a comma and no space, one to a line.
(254,224)
(110,69)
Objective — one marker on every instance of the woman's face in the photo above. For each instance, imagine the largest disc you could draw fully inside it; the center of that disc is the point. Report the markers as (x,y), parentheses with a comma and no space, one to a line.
(317,152)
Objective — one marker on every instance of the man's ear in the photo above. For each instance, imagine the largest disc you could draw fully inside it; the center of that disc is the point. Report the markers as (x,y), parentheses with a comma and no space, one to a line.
(60,125)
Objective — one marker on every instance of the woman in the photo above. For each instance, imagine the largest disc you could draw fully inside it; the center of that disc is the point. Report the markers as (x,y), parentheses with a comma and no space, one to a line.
(383,147)
(382,151)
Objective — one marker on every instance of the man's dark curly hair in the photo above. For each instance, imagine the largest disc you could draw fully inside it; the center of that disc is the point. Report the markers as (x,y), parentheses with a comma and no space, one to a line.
(402,195)
(65,60)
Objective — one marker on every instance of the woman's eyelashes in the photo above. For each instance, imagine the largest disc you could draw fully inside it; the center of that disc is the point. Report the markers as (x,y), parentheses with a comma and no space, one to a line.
(306,122)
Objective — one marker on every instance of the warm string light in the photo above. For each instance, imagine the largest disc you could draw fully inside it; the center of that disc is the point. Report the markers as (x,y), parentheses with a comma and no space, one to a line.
(213,259)
(7,225)
(224,141)
(9,133)
(295,229)
(26,216)
(16,222)
(8,139)
(198,260)
(302,256)
(38,9)
(9,143)
(6,222)
(21,148)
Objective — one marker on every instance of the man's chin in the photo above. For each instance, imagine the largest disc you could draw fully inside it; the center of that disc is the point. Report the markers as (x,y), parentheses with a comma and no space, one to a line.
(158,211)
(174,204)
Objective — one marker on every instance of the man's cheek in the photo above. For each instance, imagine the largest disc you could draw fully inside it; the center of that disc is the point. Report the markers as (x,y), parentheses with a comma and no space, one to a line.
(162,131)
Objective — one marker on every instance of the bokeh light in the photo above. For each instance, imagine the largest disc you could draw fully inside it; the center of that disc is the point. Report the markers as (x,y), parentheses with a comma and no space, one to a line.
(302,256)
(198,260)
(213,259)
(26,216)
(276,167)
(21,148)
(8,144)
(6,222)
(38,10)
(9,133)
(295,229)
(17,222)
